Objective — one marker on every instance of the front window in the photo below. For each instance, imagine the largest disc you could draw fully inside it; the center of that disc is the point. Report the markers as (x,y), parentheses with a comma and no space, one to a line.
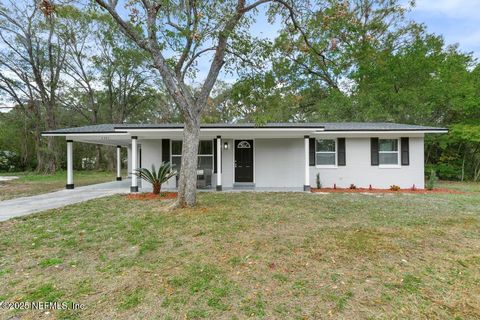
(205,161)
(176,155)
(388,152)
(325,152)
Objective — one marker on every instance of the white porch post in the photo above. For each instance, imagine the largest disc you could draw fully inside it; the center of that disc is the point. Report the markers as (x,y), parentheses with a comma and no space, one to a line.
(129,161)
(119,163)
(70,184)
(306,185)
(134,187)
(219,163)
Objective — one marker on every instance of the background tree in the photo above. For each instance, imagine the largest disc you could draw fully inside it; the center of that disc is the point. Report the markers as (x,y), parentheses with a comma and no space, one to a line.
(34,56)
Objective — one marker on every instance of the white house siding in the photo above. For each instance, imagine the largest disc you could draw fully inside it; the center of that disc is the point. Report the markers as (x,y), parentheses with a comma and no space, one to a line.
(359,171)
(279,163)
(227,164)
(152,154)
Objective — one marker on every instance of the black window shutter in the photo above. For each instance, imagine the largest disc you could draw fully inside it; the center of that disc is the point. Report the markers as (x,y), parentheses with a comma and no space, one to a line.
(405,145)
(166,150)
(311,149)
(374,151)
(215,155)
(342,159)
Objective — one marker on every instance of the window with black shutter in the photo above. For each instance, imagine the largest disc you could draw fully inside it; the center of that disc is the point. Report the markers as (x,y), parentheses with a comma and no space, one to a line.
(341,154)
(374,151)
(311,150)
(166,150)
(405,147)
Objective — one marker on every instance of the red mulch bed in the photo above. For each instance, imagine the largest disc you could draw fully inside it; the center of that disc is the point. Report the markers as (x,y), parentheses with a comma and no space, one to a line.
(418,191)
(151,196)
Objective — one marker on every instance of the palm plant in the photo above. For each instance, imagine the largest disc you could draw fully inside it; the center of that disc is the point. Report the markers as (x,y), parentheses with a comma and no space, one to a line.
(156,178)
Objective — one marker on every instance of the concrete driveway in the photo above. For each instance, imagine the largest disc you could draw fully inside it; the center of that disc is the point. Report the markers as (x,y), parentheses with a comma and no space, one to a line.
(26,205)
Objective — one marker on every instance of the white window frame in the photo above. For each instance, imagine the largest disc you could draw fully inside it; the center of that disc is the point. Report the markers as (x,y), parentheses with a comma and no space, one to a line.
(389,166)
(327,166)
(174,155)
(198,155)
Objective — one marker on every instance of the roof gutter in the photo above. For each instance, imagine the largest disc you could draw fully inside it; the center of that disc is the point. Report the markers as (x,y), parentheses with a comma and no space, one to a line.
(405,131)
(91,133)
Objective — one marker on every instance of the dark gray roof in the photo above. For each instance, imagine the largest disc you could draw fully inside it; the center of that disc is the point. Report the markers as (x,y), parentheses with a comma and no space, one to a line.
(327,126)
(99,128)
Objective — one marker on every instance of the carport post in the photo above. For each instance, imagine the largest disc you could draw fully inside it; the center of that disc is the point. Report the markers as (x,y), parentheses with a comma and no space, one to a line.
(134,187)
(306,185)
(70,184)
(119,163)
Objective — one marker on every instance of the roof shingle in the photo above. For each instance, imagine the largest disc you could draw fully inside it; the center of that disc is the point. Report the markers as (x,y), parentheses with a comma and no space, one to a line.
(327,126)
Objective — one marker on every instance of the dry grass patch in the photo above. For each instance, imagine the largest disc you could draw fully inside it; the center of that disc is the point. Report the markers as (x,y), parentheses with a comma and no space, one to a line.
(250,255)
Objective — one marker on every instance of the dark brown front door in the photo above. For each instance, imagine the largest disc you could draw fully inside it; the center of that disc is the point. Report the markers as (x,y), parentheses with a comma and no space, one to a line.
(243,160)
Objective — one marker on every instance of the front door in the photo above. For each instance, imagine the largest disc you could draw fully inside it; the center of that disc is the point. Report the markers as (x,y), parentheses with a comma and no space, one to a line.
(243,160)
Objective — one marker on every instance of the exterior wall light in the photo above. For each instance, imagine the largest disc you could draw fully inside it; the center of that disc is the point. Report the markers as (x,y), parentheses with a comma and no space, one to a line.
(225,145)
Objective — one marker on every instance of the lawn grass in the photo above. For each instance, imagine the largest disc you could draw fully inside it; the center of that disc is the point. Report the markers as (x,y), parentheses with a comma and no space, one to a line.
(31,183)
(250,255)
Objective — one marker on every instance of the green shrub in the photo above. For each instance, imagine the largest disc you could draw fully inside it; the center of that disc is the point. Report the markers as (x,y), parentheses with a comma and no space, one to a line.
(431,180)
(445,171)
(9,161)
(156,178)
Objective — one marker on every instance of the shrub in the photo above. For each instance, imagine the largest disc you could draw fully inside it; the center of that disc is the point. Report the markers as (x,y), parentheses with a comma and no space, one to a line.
(319,183)
(394,187)
(352,186)
(432,180)
(9,161)
(445,171)
(156,178)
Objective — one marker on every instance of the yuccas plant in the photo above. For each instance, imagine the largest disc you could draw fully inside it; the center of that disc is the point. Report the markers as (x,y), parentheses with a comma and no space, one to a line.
(156,178)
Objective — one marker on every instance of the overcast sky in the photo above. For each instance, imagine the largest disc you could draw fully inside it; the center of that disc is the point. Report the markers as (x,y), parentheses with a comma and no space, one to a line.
(457,20)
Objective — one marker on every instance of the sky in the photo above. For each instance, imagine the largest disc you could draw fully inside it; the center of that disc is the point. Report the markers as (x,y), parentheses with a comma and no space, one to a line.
(458,21)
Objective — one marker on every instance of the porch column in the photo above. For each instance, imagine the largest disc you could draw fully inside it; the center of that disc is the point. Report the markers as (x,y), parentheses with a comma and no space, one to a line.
(119,163)
(129,161)
(306,185)
(219,163)
(70,184)
(134,187)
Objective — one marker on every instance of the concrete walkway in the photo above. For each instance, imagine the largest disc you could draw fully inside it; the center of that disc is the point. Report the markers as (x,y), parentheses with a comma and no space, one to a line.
(23,206)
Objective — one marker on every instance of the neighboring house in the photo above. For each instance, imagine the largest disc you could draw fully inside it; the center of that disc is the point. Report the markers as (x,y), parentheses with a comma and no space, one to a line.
(275,155)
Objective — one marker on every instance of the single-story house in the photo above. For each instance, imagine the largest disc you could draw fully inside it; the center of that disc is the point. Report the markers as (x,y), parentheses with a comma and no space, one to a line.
(275,155)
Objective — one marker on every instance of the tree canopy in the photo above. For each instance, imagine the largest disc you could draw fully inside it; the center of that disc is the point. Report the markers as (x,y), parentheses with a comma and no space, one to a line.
(167,61)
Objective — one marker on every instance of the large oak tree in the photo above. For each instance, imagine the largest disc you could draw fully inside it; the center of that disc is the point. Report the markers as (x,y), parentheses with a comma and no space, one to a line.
(176,34)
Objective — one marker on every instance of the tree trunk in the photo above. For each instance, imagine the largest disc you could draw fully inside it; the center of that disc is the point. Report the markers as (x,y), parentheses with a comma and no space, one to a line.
(98,156)
(50,154)
(156,188)
(188,174)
